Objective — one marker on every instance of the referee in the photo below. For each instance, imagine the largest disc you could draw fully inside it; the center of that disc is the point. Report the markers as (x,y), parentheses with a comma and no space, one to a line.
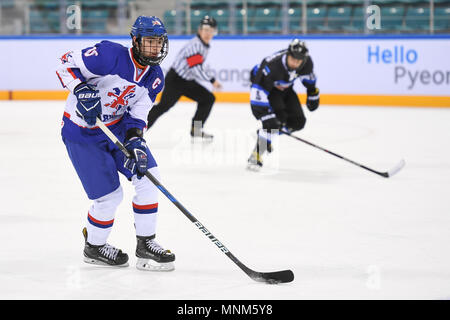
(182,80)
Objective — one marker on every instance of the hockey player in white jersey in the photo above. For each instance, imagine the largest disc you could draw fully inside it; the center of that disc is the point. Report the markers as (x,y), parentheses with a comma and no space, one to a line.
(119,85)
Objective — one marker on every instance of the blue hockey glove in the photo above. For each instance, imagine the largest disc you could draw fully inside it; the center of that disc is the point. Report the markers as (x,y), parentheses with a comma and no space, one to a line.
(137,164)
(89,106)
(312,100)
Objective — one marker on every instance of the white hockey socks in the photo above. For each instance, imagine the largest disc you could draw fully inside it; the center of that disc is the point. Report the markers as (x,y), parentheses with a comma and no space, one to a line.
(101,217)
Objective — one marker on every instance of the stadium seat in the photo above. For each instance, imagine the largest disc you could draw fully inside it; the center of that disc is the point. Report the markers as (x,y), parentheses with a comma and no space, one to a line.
(45,4)
(221,16)
(396,2)
(357,20)
(338,17)
(207,3)
(266,3)
(295,19)
(330,2)
(240,18)
(94,21)
(417,18)
(316,17)
(392,18)
(196,16)
(101,4)
(96,14)
(265,20)
(44,21)
(169,18)
(442,18)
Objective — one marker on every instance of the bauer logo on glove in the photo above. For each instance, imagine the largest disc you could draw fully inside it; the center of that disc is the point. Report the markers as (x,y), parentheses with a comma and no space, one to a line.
(89,106)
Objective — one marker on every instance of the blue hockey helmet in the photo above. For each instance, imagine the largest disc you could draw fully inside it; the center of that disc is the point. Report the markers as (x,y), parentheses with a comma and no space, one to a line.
(151,27)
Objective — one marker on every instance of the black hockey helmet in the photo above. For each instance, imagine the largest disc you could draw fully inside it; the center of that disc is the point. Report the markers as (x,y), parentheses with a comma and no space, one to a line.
(208,21)
(297,49)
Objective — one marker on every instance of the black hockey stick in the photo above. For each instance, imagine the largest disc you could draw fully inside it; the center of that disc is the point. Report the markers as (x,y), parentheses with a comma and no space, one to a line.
(267,277)
(386,174)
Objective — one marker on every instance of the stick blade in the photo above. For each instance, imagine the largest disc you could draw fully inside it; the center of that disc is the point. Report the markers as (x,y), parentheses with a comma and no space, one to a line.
(284,276)
(396,169)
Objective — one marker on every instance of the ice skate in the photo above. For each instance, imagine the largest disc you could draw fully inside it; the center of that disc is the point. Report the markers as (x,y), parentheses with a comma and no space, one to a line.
(198,135)
(254,162)
(105,255)
(152,257)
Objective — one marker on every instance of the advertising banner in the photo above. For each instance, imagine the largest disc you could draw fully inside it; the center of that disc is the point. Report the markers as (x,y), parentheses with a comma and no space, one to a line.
(381,66)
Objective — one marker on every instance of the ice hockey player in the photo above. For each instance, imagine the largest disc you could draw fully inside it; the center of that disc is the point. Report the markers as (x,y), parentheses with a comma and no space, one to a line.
(273,99)
(184,77)
(118,85)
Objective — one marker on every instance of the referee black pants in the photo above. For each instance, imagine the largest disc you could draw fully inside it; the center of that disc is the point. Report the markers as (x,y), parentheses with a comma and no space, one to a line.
(174,88)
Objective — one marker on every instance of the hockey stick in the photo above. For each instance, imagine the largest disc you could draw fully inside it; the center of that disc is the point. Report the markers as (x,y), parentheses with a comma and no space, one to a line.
(267,277)
(386,174)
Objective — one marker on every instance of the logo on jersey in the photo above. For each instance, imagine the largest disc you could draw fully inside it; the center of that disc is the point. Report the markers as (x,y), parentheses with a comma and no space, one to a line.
(66,56)
(121,97)
(293,75)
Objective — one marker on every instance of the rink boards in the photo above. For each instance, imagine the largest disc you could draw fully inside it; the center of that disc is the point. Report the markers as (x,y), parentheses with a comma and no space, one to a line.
(356,70)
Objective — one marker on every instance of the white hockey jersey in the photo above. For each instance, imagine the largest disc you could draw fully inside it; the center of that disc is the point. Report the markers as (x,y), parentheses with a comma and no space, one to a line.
(127,92)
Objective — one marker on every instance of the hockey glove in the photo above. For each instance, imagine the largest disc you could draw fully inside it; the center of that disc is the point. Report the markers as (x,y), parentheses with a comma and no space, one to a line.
(285,128)
(89,106)
(137,164)
(312,100)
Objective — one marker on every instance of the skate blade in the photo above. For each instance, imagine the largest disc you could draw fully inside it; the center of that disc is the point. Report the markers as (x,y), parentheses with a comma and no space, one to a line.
(151,265)
(253,167)
(200,140)
(101,263)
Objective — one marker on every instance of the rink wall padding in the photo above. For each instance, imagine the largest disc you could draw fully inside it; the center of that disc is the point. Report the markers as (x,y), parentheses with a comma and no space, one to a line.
(242,97)
(374,70)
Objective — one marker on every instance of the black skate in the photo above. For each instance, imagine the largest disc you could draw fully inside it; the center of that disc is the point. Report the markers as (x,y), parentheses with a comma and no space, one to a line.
(152,257)
(198,135)
(254,162)
(105,255)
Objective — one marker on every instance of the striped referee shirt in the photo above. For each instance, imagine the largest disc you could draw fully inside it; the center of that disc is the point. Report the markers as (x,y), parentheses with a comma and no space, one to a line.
(189,62)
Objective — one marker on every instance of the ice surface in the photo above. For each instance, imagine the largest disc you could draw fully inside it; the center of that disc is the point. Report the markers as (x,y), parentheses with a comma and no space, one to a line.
(345,232)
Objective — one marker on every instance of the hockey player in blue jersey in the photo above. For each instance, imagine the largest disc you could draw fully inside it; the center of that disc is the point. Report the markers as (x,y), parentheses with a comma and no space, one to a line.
(119,85)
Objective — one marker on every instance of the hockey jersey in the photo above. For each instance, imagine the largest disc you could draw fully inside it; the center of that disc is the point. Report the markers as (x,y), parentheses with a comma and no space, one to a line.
(127,92)
(273,71)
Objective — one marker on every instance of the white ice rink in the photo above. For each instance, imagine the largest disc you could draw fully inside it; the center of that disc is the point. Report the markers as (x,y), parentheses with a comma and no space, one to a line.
(346,233)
